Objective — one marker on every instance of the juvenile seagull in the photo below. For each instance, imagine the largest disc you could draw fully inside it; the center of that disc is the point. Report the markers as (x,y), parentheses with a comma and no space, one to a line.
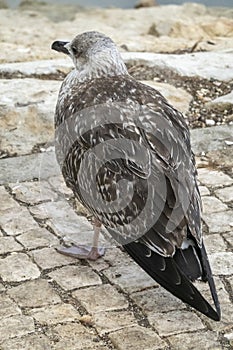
(125,153)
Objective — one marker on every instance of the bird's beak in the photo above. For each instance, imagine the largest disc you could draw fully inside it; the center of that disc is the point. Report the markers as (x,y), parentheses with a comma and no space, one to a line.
(60,46)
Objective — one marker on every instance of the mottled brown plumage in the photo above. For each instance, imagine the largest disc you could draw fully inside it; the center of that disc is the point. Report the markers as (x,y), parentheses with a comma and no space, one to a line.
(110,127)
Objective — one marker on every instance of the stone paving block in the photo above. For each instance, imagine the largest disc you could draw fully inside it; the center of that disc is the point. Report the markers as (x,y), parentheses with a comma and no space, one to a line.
(15,326)
(23,221)
(33,192)
(38,238)
(213,178)
(219,222)
(137,338)
(205,340)
(8,307)
(17,267)
(221,263)
(7,202)
(63,220)
(59,185)
(115,256)
(221,291)
(25,168)
(214,243)
(204,191)
(30,342)
(34,293)
(54,314)
(48,258)
(129,277)
(99,264)
(8,245)
(74,336)
(71,277)
(225,194)
(175,322)
(101,298)
(226,322)
(212,205)
(156,300)
(110,321)
(229,238)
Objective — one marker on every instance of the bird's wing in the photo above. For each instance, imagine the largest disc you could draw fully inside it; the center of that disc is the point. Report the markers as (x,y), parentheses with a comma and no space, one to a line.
(142,140)
(130,162)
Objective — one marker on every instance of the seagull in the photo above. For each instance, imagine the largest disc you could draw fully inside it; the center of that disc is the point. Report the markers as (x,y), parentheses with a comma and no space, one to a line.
(125,153)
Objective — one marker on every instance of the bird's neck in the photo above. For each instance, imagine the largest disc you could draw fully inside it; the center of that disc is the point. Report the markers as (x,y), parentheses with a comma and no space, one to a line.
(102,65)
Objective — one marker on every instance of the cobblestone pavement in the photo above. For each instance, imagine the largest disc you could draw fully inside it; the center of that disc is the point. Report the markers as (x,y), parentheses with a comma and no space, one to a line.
(50,301)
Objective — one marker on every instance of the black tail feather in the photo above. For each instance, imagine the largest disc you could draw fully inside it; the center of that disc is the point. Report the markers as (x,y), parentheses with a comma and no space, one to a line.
(171,277)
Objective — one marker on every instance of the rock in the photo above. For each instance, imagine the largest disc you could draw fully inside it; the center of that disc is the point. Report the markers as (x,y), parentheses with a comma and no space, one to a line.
(26,168)
(26,118)
(199,64)
(17,267)
(221,103)
(36,69)
(209,122)
(145,3)
(222,263)
(179,27)
(136,338)
(210,139)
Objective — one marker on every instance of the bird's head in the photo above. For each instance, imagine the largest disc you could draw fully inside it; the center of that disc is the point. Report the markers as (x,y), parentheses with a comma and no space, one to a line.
(94,55)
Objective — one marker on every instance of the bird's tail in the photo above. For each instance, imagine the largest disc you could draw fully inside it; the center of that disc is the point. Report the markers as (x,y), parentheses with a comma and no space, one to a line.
(169,275)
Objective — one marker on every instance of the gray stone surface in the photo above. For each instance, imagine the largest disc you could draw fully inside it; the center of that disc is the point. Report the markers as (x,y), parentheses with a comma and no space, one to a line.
(15,326)
(26,168)
(75,336)
(101,298)
(29,342)
(219,222)
(8,245)
(18,267)
(48,258)
(156,300)
(22,222)
(212,205)
(34,294)
(175,322)
(137,338)
(71,277)
(218,65)
(206,340)
(29,113)
(110,321)
(37,238)
(213,178)
(221,103)
(211,139)
(55,314)
(33,192)
(225,194)
(129,277)
(222,263)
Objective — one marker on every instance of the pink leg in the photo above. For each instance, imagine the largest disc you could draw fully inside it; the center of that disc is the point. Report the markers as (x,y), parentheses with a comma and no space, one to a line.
(84,251)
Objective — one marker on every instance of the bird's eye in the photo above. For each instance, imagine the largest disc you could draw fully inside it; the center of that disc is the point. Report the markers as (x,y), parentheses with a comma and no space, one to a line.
(75,51)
